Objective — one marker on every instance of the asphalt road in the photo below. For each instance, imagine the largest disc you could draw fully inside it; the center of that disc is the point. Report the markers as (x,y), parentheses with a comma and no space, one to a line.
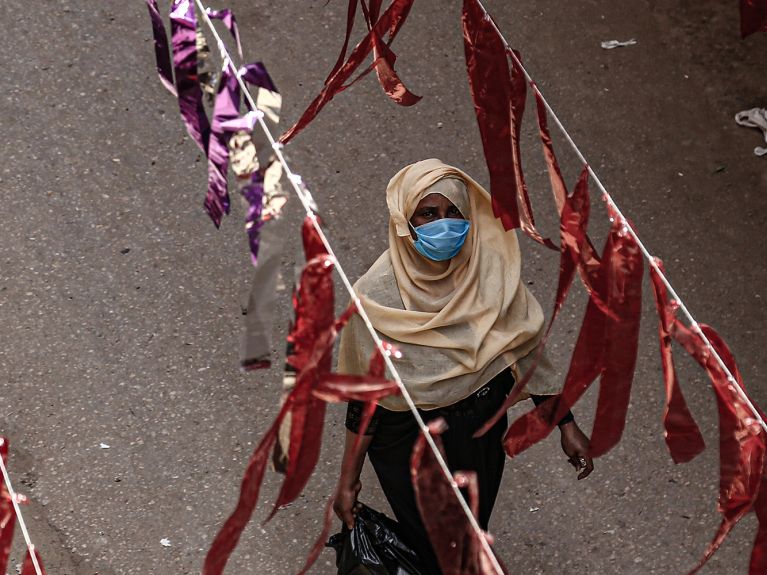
(120,302)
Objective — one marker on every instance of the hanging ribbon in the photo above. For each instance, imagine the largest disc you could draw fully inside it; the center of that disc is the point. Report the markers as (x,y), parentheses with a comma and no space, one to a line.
(621,340)
(741,438)
(161,48)
(7,514)
(620,284)
(758,563)
(226,109)
(499,96)
(28,568)
(390,22)
(490,82)
(455,542)
(683,437)
(753,17)
(227,18)
(312,337)
(183,23)
(574,221)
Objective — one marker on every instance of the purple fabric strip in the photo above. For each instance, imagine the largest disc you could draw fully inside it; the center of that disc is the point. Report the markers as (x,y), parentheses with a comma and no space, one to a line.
(161,47)
(255,74)
(226,109)
(243,123)
(227,17)
(254,194)
(183,23)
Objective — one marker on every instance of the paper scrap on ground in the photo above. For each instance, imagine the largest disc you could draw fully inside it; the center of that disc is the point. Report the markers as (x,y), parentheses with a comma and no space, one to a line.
(754,118)
(610,44)
(165,542)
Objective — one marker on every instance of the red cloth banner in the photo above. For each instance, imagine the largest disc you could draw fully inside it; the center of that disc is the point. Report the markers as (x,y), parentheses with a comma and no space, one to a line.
(573,225)
(312,336)
(753,17)
(682,435)
(456,544)
(499,96)
(7,514)
(490,82)
(28,568)
(597,352)
(390,23)
(742,442)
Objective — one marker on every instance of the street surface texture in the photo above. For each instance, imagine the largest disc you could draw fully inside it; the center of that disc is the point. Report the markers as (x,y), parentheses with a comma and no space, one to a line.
(121,303)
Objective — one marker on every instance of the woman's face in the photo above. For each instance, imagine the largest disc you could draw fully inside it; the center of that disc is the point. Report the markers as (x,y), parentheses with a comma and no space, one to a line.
(431,208)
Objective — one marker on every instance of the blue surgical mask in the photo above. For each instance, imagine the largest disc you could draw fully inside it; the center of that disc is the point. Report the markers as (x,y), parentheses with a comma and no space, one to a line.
(441,239)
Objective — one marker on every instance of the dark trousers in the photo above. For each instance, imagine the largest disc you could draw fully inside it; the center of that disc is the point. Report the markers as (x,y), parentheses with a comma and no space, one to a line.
(392,446)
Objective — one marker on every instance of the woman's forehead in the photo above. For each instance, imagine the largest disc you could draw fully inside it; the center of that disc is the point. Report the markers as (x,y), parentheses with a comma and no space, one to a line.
(432,199)
(453,189)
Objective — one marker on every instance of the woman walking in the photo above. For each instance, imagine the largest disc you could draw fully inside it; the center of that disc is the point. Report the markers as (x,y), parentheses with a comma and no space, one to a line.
(448,294)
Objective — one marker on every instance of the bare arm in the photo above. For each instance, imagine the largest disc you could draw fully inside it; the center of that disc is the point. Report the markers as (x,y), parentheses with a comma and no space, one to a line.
(349,484)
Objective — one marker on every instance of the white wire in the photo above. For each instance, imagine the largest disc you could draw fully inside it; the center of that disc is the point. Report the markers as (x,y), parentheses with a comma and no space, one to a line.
(19,517)
(693,323)
(307,201)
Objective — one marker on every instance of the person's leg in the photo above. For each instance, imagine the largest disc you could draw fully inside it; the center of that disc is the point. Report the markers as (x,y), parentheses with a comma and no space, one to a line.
(483,455)
(390,454)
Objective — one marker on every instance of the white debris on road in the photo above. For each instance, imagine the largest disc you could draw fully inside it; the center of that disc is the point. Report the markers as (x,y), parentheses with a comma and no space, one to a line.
(610,44)
(754,118)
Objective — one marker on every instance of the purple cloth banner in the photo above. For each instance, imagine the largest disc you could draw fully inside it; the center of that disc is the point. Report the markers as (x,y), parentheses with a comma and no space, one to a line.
(254,194)
(161,48)
(226,109)
(183,23)
(227,17)
(255,74)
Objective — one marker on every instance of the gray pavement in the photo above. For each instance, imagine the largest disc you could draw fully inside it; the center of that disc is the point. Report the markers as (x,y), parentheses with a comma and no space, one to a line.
(120,302)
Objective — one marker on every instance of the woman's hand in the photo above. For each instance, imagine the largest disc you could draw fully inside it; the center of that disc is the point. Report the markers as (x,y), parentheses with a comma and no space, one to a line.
(575,444)
(345,504)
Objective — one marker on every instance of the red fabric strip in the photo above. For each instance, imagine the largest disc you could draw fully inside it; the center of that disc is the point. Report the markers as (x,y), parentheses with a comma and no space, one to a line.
(391,20)
(319,544)
(624,297)
(229,534)
(351,13)
(683,437)
(28,568)
(558,187)
(741,439)
(588,359)
(758,564)
(7,514)
(490,83)
(574,220)
(518,100)
(753,17)
(456,544)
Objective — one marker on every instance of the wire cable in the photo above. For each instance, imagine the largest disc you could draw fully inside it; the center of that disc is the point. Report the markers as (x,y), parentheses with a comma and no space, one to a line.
(306,200)
(645,252)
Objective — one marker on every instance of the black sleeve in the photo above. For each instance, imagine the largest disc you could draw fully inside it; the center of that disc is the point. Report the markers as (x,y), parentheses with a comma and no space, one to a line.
(354,411)
(539,399)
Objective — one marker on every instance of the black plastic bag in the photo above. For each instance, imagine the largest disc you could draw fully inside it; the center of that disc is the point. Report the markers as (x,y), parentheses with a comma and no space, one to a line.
(373,547)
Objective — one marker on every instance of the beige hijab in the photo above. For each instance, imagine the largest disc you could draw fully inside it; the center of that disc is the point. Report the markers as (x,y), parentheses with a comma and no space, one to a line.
(457,322)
